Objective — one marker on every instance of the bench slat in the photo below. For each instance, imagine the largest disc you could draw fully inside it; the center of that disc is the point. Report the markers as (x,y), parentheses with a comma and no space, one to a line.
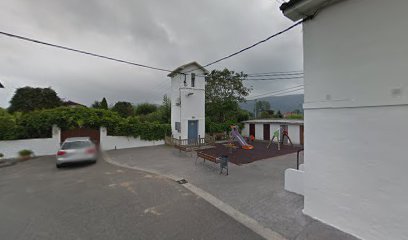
(211,159)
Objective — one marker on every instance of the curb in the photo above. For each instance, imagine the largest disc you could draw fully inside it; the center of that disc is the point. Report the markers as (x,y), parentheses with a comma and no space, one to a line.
(245,220)
(8,162)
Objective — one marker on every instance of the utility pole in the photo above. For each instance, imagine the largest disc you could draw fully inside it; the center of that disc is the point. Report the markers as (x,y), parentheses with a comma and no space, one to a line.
(255,109)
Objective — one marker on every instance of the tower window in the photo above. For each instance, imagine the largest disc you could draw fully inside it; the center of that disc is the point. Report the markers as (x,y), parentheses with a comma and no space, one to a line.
(193,80)
(178,126)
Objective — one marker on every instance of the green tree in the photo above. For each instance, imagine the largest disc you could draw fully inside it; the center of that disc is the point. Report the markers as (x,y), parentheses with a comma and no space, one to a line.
(145,108)
(124,109)
(262,106)
(104,104)
(279,114)
(96,104)
(223,91)
(100,105)
(28,99)
(165,109)
(267,114)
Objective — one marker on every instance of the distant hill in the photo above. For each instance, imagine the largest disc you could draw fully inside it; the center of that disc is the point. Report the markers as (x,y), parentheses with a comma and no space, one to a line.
(285,103)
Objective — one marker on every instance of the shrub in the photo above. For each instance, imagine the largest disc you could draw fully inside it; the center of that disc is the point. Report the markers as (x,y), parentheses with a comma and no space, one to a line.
(25,153)
(145,130)
(212,127)
(38,124)
(295,116)
(1,155)
(124,109)
(145,108)
(152,117)
(8,125)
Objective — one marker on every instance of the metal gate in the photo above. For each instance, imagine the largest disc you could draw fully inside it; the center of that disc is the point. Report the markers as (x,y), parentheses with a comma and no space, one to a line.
(93,134)
(252,129)
(267,131)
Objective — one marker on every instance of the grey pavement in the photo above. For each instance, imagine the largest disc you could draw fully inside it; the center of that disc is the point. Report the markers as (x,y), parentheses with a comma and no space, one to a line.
(103,201)
(256,189)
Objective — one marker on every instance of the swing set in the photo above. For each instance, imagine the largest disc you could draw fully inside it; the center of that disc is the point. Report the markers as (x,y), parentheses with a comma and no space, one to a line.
(280,134)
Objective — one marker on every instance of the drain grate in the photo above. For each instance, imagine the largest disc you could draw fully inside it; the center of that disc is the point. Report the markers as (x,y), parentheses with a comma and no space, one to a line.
(182,181)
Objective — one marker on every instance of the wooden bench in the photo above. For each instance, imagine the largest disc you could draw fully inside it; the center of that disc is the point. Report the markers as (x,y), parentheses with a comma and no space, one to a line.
(213,159)
(183,148)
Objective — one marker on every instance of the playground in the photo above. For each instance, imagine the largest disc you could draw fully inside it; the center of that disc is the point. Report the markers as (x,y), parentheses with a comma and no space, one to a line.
(239,156)
(243,151)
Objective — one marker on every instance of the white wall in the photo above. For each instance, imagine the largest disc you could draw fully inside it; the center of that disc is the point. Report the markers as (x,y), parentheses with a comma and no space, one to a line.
(119,142)
(175,110)
(355,56)
(356,176)
(356,111)
(294,181)
(40,146)
(259,131)
(294,133)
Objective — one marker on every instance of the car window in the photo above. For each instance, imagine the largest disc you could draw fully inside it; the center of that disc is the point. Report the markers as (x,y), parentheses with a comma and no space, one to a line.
(76,145)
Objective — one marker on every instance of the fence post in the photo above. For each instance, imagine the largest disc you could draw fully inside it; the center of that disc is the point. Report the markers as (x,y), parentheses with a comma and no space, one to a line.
(199,141)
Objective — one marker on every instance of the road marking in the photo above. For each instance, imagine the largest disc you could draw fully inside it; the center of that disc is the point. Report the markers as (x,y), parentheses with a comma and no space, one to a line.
(235,214)
(152,210)
(245,220)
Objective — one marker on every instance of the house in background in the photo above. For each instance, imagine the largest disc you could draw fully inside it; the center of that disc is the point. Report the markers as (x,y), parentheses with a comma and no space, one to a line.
(188,101)
(72,104)
(263,129)
(355,112)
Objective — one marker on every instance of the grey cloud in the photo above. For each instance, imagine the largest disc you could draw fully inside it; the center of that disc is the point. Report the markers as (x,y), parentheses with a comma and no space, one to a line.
(159,33)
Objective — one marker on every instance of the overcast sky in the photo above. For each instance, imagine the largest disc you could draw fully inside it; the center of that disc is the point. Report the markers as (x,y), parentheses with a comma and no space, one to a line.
(161,33)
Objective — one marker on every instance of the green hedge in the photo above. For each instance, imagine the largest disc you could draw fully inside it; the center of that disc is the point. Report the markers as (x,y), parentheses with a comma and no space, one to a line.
(145,130)
(8,125)
(38,124)
(295,116)
(213,127)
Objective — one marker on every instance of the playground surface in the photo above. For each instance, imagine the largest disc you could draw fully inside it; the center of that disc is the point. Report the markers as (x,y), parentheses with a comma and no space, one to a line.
(241,156)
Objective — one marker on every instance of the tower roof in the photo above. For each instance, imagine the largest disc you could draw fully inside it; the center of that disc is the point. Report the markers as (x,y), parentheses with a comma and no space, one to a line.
(181,68)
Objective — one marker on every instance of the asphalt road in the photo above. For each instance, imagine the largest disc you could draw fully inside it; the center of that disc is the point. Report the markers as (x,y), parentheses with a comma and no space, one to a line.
(102,201)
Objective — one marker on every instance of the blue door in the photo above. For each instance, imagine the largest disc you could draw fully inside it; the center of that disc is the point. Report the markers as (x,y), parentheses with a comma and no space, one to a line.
(192,131)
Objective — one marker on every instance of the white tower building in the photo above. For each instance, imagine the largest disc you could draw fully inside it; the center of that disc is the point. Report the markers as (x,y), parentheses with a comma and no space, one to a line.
(188,101)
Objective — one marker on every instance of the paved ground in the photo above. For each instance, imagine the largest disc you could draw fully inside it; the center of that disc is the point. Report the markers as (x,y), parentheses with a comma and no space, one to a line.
(103,201)
(254,189)
(241,156)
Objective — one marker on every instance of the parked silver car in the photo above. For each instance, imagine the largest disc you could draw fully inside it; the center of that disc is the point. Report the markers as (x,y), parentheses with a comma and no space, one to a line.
(76,149)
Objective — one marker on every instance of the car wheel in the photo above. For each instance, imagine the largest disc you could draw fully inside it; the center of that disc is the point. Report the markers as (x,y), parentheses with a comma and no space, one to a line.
(58,165)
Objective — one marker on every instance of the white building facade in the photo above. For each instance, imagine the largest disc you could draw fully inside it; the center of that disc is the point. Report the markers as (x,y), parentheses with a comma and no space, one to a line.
(356,111)
(263,129)
(188,101)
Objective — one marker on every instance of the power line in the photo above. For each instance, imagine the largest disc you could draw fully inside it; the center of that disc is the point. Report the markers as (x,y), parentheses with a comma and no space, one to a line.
(274,74)
(277,72)
(295,90)
(257,43)
(271,79)
(146,66)
(273,92)
(83,52)
(279,94)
